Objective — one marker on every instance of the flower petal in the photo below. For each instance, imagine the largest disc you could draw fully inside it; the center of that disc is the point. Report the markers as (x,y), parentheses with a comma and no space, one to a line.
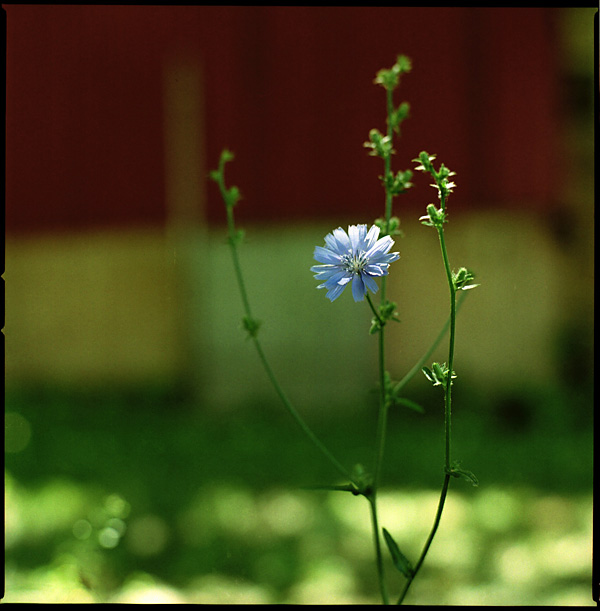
(357,234)
(324,255)
(384,258)
(335,292)
(376,269)
(358,288)
(342,277)
(322,268)
(389,257)
(339,246)
(343,240)
(358,257)
(326,274)
(380,247)
(370,283)
(371,238)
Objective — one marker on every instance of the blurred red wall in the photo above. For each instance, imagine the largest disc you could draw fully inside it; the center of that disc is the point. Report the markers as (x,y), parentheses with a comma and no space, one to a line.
(288,89)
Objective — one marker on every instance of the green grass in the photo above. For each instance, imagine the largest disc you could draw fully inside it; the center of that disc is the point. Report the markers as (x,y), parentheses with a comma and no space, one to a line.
(123,494)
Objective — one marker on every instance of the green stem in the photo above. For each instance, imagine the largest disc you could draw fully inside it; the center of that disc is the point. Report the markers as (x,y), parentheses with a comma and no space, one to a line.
(372,498)
(436,523)
(379,453)
(374,310)
(448,393)
(387,160)
(419,364)
(447,412)
(383,403)
(296,416)
(248,312)
(383,413)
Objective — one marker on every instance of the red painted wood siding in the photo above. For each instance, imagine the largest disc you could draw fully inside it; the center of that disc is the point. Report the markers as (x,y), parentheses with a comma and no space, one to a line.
(290,90)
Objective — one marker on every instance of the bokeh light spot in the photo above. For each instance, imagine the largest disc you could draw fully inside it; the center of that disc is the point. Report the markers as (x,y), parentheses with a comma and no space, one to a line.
(116,506)
(82,530)
(517,564)
(147,535)
(286,513)
(108,538)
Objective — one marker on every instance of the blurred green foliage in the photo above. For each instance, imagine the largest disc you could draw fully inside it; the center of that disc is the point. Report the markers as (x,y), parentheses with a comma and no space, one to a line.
(137,495)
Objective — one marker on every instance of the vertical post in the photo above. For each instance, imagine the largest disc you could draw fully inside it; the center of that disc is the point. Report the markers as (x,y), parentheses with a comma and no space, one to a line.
(185,198)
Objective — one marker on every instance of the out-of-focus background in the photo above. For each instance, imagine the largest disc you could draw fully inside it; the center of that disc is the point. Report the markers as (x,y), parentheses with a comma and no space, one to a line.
(147,457)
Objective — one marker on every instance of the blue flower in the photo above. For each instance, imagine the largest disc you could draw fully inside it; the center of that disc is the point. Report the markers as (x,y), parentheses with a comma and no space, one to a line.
(355,256)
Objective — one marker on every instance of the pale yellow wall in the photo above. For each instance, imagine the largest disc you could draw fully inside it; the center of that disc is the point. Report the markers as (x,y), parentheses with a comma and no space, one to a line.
(91,307)
(138,307)
(507,328)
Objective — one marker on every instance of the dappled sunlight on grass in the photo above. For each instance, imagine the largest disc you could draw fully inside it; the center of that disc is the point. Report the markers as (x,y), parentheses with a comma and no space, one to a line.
(144,589)
(217,513)
(498,554)
(223,589)
(495,546)
(325,580)
(55,583)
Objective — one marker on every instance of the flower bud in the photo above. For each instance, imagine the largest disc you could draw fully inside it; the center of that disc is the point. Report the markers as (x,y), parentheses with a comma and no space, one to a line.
(432,211)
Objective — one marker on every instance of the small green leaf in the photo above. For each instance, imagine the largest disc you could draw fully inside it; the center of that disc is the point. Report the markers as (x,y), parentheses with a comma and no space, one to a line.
(387,78)
(429,375)
(468,475)
(362,479)
(401,562)
(251,325)
(387,311)
(398,115)
(226,155)
(381,145)
(456,471)
(237,237)
(403,64)
(438,375)
(375,326)
(233,196)
(394,226)
(381,223)
(424,161)
(462,278)
(389,228)
(440,372)
(410,404)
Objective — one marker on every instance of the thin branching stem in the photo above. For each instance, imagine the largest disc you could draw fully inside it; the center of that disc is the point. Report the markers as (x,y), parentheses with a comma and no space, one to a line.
(447,411)
(383,402)
(372,498)
(233,239)
(436,523)
(387,161)
(427,355)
